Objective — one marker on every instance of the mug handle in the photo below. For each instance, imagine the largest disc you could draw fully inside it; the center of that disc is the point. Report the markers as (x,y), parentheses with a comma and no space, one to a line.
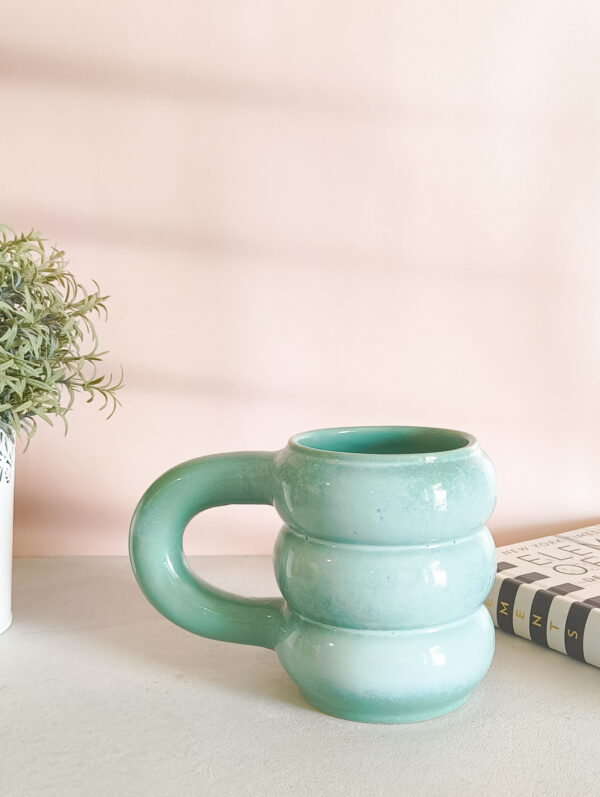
(156,547)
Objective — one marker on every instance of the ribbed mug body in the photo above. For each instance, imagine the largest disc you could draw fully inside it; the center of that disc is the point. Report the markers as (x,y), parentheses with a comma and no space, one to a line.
(384,562)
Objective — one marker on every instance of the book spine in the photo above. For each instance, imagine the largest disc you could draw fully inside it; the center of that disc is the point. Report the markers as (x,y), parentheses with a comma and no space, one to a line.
(555,621)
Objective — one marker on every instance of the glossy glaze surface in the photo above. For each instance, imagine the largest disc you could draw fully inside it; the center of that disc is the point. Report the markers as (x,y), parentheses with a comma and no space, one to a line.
(383,563)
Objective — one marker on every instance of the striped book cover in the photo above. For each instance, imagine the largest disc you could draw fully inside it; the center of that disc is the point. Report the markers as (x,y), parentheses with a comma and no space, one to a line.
(548,590)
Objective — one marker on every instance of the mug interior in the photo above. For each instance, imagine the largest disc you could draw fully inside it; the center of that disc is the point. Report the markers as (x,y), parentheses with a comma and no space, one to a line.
(384,440)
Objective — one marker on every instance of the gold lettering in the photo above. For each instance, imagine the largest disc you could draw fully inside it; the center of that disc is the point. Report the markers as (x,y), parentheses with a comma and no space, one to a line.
(572,634)
(537,622)
(552,626)
(504,609)
(520,615)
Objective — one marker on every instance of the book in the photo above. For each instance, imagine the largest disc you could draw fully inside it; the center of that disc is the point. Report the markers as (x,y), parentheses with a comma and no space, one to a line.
(548,590)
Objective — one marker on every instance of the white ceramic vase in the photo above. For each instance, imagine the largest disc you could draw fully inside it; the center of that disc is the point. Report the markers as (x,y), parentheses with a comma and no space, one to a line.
(7,484)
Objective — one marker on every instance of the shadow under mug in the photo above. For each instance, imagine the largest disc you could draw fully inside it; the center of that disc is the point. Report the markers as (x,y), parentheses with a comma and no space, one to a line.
(384,561)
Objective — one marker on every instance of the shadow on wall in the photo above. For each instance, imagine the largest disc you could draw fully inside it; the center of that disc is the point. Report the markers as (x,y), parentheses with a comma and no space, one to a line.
(39,521)
(181,86)
(142,236)
(515,534)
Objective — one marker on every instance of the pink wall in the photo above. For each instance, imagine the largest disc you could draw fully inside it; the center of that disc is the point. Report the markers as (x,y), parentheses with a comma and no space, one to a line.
(310,214)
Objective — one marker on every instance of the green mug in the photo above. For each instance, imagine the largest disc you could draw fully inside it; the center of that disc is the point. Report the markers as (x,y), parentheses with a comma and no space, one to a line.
(384,561)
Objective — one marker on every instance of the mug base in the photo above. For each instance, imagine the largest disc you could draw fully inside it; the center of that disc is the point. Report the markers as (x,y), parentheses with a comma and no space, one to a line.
(399,717)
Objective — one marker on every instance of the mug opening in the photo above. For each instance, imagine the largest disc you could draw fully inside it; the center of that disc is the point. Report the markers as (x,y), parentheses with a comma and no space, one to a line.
(384,440)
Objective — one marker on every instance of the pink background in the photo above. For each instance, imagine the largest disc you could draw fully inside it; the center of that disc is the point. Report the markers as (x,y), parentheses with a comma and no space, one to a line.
(313,213)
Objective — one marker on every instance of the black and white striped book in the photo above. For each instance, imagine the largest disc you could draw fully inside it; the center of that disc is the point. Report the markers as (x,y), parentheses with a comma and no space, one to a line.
(548,590)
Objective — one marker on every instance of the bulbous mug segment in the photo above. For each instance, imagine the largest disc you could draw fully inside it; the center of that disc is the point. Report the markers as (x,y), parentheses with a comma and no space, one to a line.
(383,562)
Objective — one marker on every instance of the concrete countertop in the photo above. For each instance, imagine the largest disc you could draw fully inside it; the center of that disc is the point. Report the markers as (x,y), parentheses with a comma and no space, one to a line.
(100,695)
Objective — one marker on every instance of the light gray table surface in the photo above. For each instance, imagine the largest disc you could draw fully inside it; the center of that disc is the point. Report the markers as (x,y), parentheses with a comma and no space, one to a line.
(100,695)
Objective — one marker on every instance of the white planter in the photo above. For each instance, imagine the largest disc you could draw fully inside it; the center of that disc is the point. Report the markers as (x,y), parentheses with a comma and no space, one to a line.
(7,484)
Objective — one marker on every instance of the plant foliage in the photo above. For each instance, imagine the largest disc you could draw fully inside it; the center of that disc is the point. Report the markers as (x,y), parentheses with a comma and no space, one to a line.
(48,343)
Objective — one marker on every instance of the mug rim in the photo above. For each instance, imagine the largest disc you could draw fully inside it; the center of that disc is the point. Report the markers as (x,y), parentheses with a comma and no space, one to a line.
(299,443)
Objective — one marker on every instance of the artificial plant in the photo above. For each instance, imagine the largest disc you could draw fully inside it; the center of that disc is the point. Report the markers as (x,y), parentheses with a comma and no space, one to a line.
(48,343)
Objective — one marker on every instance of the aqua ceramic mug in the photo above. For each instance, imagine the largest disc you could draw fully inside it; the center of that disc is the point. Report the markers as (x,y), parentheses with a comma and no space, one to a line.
(383,562)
